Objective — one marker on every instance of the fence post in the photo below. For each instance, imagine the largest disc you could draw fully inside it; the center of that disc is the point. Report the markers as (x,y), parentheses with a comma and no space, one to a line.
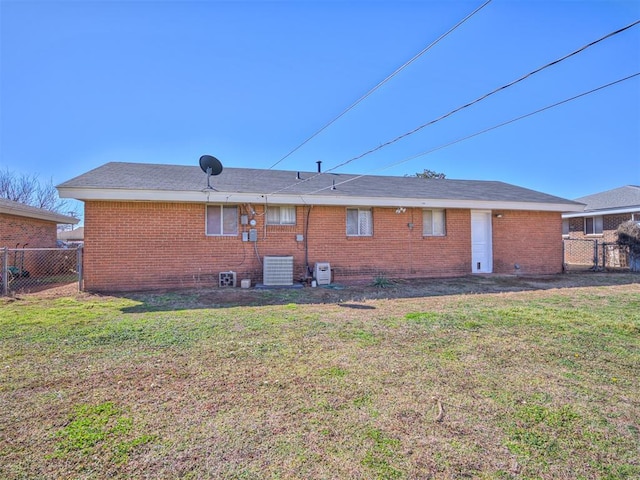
(5,269)
(595,254)
(79,268)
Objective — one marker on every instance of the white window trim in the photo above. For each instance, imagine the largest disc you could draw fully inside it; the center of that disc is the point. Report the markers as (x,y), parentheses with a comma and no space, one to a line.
(595,219)
(369,212)
(221,207)
(279,208)
(433,227)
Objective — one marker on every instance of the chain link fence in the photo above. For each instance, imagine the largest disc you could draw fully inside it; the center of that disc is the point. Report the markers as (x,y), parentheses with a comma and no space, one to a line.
(594,254)
(29,270)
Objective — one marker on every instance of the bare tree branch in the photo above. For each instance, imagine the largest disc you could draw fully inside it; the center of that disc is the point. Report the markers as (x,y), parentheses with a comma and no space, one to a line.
(27,189)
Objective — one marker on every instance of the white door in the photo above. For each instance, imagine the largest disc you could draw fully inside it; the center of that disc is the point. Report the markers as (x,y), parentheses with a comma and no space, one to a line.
(481,249)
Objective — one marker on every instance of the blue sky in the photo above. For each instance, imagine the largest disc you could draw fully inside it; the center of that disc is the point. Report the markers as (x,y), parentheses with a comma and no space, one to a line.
(87,82)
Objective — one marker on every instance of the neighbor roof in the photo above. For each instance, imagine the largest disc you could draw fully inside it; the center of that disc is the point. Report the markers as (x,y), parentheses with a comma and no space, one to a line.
(21,210)
(619,200)
(138,181)
(75,235)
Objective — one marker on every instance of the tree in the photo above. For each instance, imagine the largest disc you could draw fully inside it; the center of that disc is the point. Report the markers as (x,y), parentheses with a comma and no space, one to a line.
(431,174)
(28,189)
(629,235)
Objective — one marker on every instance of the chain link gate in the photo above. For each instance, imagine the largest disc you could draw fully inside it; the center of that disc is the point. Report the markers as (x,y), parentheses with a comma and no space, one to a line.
(27,270)
(594,254)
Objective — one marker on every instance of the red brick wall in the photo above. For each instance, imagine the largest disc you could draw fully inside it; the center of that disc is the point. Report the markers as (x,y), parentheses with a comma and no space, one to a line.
(532,240)
(610,224)
(20,230)
(144,245)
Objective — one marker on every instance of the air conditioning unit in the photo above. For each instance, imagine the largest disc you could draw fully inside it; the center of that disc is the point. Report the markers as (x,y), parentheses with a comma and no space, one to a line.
(322,273)
(277,270)
(227,279)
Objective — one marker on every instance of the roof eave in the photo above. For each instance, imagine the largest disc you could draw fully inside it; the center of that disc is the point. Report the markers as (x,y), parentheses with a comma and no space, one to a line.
(214,196)
(602,211)
(46,216)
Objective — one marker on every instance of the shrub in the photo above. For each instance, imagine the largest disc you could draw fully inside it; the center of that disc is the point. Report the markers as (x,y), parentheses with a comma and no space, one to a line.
(629,235)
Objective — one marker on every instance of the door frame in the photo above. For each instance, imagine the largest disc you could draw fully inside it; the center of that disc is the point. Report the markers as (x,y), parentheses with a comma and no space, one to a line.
(487,256)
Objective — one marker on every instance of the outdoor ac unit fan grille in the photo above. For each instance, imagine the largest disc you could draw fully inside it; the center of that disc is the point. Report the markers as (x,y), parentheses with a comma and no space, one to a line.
(322,273)
(227,279)
(278,270)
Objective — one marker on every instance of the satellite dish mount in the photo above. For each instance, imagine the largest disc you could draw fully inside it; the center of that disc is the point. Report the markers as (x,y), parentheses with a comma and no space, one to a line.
(211,166)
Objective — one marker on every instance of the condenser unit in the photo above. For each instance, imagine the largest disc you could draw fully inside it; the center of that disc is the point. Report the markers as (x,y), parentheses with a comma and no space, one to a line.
(277,270)
(322,273)
(227,279)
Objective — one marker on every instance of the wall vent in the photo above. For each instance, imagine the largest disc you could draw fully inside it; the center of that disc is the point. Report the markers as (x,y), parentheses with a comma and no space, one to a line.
(227,279)
(278,270)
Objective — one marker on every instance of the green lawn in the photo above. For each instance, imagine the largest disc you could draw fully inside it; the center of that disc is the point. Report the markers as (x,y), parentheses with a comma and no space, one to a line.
(539,384)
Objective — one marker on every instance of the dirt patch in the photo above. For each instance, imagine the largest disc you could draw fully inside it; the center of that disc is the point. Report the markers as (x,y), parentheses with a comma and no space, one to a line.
(415,288)
(349,293)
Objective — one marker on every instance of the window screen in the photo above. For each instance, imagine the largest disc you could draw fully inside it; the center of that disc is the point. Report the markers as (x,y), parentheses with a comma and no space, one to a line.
(279,215)
(222,220)
(434,223)
(359,222)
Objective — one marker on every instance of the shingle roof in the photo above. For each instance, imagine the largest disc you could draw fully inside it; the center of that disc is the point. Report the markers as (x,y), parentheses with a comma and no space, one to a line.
(116,176)
(21,210)
(622,197)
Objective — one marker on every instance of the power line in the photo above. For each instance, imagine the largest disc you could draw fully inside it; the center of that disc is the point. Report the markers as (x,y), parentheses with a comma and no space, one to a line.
(513,120)
(485,96)
(379,85)
(467,105)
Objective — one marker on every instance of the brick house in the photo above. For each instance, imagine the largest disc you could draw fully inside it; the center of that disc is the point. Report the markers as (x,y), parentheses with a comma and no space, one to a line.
(25,226)
(603,213)
(155,226)
(590,236)
(22,225)
(72,237)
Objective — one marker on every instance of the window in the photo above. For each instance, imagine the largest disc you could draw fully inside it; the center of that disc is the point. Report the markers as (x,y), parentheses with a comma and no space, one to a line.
(565,227)
(359,222)
(434,223)
(281,216)
(593,225)
(222,220)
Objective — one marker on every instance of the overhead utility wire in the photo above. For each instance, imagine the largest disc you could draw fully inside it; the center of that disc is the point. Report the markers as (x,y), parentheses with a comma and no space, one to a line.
(477,100)
(370,92)
(485,96)
(513,120)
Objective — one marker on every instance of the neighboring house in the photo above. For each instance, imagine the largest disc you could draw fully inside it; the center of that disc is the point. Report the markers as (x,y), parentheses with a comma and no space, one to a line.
(602,215)
(155,226)
(22,225)
(72,237)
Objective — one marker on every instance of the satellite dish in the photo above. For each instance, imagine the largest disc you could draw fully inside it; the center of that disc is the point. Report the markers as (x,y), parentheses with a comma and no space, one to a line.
(211,166)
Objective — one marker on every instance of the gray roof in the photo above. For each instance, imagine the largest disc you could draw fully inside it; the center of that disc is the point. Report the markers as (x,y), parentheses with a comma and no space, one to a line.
(21,210)
(622,197)
(116,176)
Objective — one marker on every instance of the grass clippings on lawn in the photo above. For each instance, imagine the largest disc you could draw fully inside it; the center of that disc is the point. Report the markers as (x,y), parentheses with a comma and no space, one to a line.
(532,384)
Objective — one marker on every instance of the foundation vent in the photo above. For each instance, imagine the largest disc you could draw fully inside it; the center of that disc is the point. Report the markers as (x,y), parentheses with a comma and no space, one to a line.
(227,279)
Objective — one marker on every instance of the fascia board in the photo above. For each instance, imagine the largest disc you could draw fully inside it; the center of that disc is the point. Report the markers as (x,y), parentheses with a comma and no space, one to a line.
(214,196)
(49,217)
(594,213)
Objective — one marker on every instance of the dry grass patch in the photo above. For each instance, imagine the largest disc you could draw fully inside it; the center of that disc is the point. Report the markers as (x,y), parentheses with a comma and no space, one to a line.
(539,384)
